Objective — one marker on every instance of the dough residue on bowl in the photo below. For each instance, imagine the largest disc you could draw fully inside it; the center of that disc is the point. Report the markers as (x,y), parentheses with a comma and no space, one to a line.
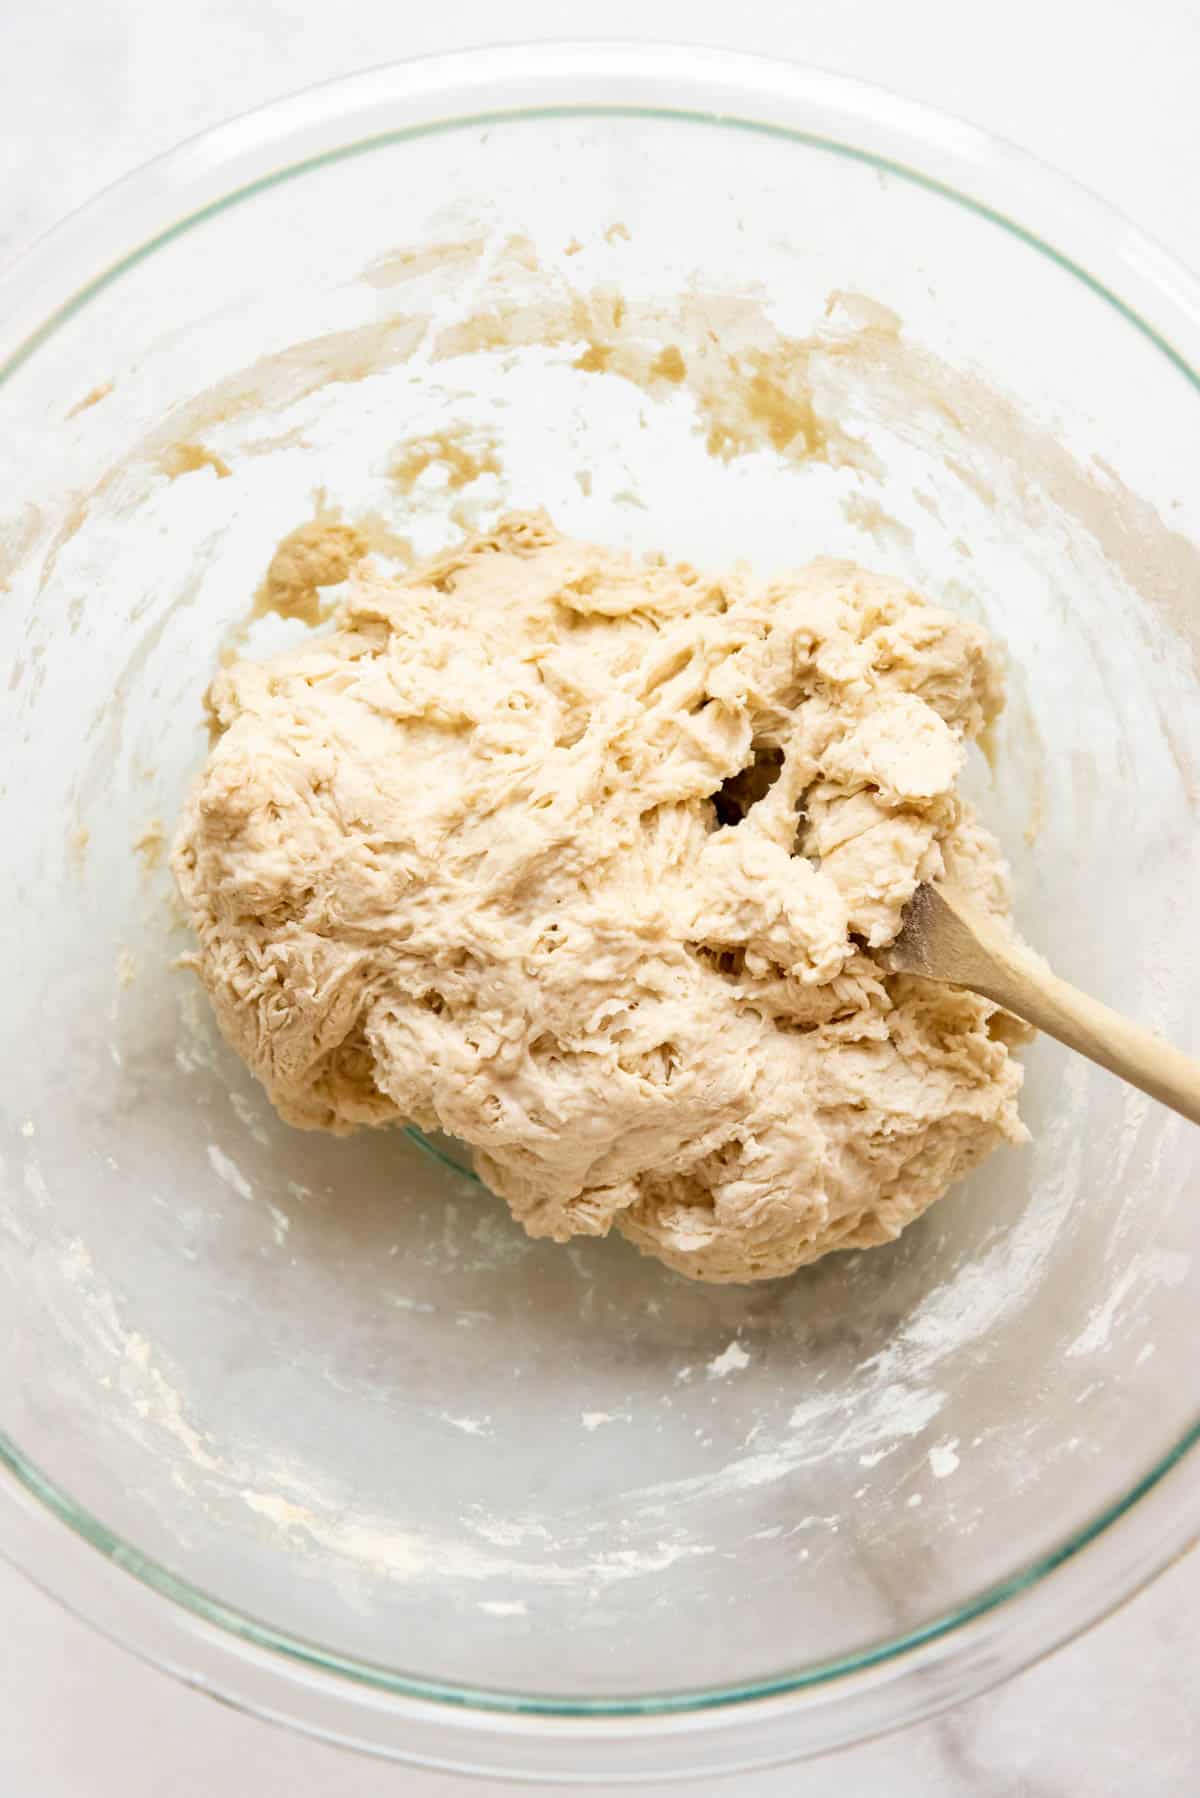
(585,860)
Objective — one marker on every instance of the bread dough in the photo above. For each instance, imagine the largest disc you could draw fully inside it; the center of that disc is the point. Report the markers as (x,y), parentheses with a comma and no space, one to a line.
(583,859)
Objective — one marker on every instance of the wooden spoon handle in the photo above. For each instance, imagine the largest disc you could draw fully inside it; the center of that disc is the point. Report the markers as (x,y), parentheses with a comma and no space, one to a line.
(970,950)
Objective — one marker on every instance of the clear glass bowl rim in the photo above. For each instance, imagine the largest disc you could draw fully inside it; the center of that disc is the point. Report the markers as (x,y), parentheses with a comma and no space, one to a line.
(995,1632)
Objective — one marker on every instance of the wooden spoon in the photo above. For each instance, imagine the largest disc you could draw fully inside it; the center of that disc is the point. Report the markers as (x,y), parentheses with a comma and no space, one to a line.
(945,938)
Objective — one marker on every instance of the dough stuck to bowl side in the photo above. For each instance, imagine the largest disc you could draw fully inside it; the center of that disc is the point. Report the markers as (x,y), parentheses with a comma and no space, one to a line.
(583,859)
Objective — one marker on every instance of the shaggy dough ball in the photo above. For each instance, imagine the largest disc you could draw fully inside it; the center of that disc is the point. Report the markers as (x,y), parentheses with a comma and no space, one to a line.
(582,859)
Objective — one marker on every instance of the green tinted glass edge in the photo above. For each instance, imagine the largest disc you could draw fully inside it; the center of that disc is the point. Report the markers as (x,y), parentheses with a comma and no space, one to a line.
(210,1610)
(486,120)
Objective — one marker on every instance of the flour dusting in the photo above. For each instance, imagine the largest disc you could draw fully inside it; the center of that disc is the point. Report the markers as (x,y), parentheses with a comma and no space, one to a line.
(731,1360)
(943,1458)
(229,1172)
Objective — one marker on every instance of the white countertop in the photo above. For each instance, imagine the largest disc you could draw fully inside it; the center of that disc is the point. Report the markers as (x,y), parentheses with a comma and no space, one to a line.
(1108,93)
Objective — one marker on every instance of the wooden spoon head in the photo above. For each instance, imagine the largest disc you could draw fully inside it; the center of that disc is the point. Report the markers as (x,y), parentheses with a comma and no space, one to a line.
(944,937)
(914,950)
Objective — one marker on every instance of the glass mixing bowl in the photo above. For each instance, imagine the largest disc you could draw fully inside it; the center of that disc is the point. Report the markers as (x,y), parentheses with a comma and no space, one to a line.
(309,1421)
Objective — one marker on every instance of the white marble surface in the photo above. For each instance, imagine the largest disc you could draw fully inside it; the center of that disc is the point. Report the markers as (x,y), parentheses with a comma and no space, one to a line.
(1108,93)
